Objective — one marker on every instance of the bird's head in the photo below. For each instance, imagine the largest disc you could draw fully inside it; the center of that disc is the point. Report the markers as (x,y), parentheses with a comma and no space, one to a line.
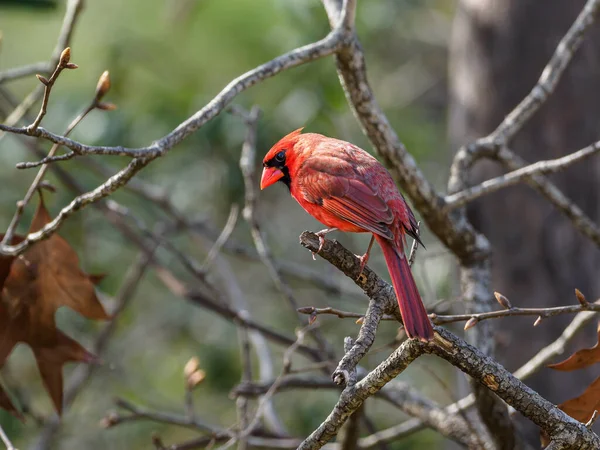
(278,162)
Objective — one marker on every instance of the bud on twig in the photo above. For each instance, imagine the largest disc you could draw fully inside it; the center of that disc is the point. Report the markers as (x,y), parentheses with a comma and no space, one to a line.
(42,79)
(193,374)
(360,320)
(581,298)
(191,366)
(106,106)
(504,302)
(103,85)
(65,57)
(471,323)
(110,420)
(71,66)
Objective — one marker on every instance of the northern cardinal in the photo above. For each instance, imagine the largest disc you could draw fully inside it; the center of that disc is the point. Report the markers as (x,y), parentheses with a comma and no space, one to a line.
(346,189)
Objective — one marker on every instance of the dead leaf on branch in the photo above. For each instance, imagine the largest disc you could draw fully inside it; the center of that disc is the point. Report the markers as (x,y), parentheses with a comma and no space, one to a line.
(580,359)
(46,277)
(5,263)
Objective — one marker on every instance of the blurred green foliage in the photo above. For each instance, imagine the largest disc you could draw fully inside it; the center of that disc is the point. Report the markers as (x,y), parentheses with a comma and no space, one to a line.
(167,58)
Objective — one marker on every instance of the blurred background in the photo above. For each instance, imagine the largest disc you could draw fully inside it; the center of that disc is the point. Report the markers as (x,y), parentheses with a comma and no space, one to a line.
(167,59)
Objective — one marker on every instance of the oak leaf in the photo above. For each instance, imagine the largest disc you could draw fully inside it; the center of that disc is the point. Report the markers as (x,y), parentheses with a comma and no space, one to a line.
(580,359)
(5,263)
(41,280)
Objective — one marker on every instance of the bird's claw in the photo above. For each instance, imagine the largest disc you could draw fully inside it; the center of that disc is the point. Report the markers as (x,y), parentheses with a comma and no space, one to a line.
(363,263)
(320,235)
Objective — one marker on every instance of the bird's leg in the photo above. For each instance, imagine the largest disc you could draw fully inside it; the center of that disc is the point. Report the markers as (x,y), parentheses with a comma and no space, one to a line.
(321,235)
(365,258)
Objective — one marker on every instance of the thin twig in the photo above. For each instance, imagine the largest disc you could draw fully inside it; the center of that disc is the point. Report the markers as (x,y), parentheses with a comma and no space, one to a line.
(143,156)
(556,348)
(24,71)
(223,237)
(74,8)
(241,401)
(541,313)
(138,413)
(541,167)
(287,364)
(63,63)
(42,172)
(6,440)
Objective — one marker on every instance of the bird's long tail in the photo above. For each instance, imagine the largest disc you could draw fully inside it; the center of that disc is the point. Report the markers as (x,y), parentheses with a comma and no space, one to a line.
(414,315)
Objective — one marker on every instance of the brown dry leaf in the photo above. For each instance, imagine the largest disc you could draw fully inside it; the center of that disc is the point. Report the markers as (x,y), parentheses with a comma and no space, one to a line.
(5,263)
(580,359)
(46,277)
(581,408)
(6,403)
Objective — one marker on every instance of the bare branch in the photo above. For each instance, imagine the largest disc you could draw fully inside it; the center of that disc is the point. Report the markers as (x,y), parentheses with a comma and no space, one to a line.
(139,413)
(63,63)
(202,299)
(42,172)
(467,358)
(74,8)
(8,444)
(555,348)
(24,71)
(541,167)
(550,77)
(143,156)
(542,313)
(579,219)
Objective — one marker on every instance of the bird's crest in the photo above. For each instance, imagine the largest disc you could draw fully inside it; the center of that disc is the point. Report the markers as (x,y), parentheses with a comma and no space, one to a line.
(285,143)
(293,134)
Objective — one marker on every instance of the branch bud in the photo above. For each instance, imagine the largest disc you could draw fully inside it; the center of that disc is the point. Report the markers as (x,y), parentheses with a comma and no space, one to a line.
(42,79)
(191,366)
(581,298)
(110,420)
(71,66)
(65,57)
(106,106)
(504,302)
(103,85)
(360,320)
(471,323)
(195,379)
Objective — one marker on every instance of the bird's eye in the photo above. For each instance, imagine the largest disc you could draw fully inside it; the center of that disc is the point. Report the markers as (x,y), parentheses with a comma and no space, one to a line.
(280,157)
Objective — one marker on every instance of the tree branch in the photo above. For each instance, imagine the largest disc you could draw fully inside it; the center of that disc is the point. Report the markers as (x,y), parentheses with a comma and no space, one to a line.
(143,156)
(541,167)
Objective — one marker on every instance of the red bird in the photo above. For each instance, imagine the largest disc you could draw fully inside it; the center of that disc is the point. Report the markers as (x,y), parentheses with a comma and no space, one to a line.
(346,189)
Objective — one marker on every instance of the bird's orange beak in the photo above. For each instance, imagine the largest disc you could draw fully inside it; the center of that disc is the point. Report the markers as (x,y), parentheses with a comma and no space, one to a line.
(270,175)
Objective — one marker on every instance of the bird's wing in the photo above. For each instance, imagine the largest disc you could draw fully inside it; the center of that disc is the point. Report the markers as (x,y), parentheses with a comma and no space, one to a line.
(334,184)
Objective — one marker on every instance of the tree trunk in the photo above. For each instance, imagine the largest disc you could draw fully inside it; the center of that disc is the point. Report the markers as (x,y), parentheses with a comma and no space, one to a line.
(498,51)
